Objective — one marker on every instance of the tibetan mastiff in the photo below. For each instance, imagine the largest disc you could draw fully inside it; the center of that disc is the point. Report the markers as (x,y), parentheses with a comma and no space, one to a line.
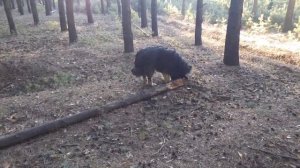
(161,59)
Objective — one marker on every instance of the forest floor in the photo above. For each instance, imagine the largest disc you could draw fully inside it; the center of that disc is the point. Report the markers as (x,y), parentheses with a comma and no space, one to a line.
(247,116)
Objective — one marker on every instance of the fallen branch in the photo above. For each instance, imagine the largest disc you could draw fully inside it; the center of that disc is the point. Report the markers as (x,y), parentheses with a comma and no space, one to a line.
(274,154)
(19,137)
(142,30)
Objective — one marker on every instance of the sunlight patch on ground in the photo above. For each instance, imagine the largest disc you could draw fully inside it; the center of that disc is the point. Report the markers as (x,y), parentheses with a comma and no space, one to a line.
(271,41)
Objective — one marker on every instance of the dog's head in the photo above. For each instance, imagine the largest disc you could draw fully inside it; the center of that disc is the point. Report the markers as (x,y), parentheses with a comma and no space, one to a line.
(136,72)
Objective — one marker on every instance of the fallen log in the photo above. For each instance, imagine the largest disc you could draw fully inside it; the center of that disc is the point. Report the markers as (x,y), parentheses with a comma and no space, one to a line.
(19,137)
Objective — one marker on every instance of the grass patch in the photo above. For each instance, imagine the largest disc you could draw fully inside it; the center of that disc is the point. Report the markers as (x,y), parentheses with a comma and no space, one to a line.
(55,81)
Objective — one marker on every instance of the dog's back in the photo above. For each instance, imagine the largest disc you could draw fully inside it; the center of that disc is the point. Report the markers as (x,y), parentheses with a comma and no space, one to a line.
(161,59)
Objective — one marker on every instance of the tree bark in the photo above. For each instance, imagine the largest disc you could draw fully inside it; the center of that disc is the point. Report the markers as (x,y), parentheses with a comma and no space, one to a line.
(11,23)
(143,13)
(88,11)
(199,20)
(231,53)
(13,6)
(28,6)
(288,22)
(29,133)
(108,2)
(102,7)
(126,24)
(62,15)
(71,22)
(119,8)
(34,12)
(20,7)
(154,17)
(183,8)
(48,7)
(255,10)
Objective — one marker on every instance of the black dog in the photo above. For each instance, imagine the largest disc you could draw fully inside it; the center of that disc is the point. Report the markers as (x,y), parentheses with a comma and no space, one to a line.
(161,59)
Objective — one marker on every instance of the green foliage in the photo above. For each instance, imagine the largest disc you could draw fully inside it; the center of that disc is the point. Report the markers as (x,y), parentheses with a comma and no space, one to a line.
(55,81)
(296,30)
(270,13)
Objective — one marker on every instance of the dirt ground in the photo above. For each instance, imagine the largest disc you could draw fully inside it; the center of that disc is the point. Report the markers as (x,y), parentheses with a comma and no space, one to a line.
(247,116)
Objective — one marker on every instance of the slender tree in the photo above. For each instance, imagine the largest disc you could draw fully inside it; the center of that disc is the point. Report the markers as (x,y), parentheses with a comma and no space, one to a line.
(119,8)
(13,6)
(143,13)
(34,12)
(71,21)
(231,53)
(126,24)
(199,20)
(102,7)
(288,22)
(20,7)
(1,2)
(255,10)
(138,9)
(53,4)
(62,15)
(11,23)
(183,8)
(28,6)
(48,7)
(108,2)
(89,11)
(154,17)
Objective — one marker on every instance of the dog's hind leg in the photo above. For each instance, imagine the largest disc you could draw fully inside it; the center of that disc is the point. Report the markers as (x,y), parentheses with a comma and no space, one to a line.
(145,80)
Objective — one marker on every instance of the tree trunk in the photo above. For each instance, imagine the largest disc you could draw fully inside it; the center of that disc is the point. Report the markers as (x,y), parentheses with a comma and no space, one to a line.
(255,10)
(71,22)
(34,12)
(288,22)
(11,23)
(102,7)
(45,128)
(231,53)
(88,11)
(143,13)
(53,4)
(1,2)
(183,8)
(62,15)
(28,6)
(13,6)
(154,17)
(20,7)
(199,20)
(119,8)
(108,2)
(139,7)
(48,7)
(126,24)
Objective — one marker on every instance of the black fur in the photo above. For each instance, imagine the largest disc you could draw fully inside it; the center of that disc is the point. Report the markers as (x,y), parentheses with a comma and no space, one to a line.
(161,59)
